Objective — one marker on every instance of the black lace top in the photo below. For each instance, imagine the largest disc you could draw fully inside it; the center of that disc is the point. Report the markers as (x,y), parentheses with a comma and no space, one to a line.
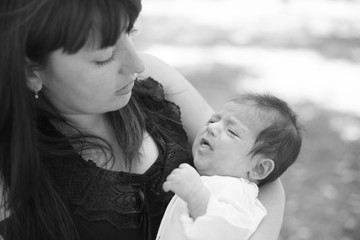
(114,205)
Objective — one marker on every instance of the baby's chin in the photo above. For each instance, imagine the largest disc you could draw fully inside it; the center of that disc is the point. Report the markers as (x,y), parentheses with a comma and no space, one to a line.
(200,170)
(198,166)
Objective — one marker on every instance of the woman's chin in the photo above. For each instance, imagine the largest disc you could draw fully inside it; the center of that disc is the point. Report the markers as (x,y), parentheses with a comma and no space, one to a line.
(122,101)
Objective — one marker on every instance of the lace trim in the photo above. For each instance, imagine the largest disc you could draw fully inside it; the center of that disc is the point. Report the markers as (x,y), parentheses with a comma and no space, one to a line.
(118,197)
(151,88)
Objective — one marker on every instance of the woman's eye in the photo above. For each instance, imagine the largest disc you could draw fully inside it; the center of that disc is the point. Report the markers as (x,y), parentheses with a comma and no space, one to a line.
(107,61)
(132,31)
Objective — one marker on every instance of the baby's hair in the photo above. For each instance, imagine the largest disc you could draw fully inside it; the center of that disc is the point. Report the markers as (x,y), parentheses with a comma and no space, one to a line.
(281,140)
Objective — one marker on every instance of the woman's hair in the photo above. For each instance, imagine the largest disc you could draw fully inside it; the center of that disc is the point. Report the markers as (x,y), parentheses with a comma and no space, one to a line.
(281,140)
(29,31)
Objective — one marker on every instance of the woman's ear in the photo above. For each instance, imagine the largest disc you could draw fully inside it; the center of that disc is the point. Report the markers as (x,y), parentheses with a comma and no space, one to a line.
(262,168)
(33,77)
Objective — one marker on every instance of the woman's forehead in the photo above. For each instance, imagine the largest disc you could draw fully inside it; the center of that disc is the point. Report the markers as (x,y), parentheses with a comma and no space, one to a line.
(104,28)
(95,37)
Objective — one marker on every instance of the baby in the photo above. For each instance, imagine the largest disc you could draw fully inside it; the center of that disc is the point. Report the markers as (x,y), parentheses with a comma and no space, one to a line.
(251,141)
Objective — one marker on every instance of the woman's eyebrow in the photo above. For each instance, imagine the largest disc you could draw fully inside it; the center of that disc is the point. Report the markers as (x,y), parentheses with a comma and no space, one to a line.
(94,53)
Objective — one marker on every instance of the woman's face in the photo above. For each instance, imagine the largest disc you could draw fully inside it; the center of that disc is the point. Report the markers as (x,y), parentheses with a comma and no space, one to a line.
(92,81)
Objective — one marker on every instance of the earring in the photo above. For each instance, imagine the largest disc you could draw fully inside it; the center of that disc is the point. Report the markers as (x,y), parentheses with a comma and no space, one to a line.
(36,95)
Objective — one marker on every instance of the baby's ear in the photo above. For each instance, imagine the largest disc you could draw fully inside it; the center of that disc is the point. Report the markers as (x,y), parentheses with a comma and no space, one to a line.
(262,168)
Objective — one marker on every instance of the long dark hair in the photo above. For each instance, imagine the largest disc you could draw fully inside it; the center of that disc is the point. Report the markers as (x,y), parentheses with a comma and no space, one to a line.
(32,29)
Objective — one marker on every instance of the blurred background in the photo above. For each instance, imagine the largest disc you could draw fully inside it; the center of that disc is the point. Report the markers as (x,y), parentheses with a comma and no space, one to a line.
(306,52)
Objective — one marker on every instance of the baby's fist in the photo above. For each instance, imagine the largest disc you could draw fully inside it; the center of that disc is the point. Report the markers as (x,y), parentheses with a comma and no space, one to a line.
(183,181)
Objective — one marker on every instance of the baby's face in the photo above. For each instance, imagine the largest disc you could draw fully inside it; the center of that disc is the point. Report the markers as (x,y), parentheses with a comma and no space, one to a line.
(222,146)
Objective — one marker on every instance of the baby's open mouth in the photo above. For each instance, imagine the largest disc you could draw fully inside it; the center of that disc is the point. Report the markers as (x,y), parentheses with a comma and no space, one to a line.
(205,143)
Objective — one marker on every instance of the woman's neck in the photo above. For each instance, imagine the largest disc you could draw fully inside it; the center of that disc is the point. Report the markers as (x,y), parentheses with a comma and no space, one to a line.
(91,124)
(99,126)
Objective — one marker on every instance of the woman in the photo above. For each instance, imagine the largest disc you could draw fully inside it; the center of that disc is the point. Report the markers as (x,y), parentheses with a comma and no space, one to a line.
(87,135)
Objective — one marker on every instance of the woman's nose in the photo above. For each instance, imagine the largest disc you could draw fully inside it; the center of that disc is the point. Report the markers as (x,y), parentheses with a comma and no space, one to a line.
(130,61)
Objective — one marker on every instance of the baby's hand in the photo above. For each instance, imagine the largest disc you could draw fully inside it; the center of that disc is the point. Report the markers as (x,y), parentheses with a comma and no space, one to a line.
(184,182)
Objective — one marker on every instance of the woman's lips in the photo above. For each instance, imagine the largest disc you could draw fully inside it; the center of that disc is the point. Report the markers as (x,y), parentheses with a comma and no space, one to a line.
(126,89)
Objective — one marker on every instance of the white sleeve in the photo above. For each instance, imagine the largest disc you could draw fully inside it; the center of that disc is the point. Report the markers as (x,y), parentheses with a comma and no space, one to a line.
(233,211)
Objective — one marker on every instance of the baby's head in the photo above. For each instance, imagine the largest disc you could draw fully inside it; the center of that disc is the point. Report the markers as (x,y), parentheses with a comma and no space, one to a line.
(255,136)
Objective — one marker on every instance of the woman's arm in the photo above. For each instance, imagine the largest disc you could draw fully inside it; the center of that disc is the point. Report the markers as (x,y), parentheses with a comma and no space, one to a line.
(272,196)
(195,111)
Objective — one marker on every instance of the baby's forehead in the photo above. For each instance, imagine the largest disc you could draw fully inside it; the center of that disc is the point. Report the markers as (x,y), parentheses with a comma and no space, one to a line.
(251,115)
